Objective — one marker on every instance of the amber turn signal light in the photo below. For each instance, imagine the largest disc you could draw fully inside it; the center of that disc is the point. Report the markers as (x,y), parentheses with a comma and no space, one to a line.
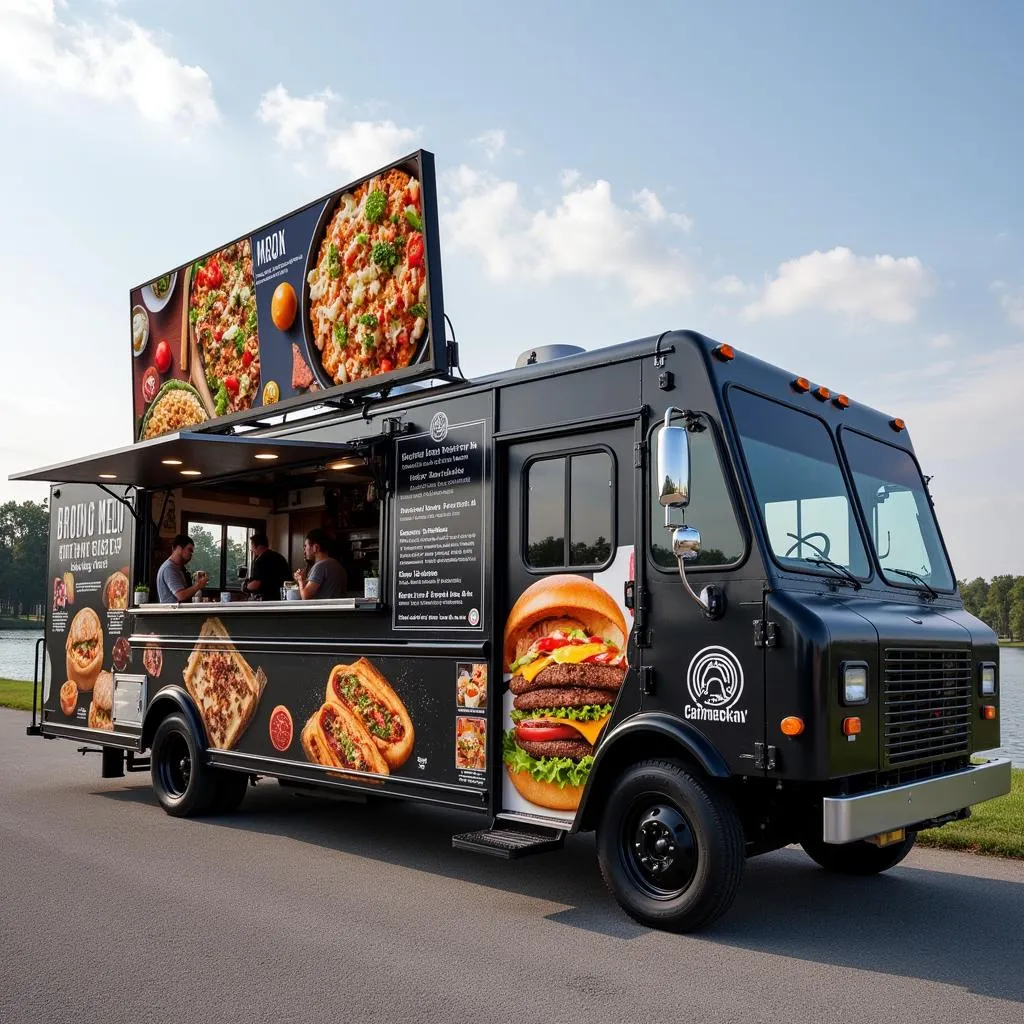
(725,353)
(801,384)
(851,726)
(988,711)
(792,726)
(897,424)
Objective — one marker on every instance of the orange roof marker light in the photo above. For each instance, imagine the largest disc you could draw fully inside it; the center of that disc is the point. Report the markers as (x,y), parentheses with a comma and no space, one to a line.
(724,352)
(822,394)
(801,384)
(841,402)
(791,726)
(897,424)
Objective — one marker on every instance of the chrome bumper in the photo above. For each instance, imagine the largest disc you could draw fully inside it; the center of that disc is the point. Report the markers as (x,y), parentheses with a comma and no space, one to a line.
(847,818)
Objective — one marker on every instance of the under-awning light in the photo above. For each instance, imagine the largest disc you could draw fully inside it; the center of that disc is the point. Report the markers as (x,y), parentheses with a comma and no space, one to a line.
(267,456)
(170,462)
(191,472)
(350,463)
(107,476)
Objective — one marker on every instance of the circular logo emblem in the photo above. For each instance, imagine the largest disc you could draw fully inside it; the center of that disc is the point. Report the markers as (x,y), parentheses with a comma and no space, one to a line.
(715,678)
(473,616)
(439,426)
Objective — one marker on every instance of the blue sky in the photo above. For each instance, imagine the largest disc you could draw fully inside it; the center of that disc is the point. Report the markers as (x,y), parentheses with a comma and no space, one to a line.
(835,188)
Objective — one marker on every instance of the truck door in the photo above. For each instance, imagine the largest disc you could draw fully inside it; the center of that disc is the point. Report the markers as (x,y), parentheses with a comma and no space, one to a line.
(570,511)
(707,673)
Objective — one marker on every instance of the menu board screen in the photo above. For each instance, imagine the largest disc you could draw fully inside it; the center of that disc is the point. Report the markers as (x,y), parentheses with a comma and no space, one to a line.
(341,296)
(439,566)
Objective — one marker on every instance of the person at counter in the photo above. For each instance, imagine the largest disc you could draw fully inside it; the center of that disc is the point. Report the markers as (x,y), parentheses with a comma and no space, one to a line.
(267,571)
(327,577)
(173,582)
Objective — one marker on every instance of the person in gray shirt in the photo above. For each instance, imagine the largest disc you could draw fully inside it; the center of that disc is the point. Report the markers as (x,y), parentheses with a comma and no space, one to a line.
(173,583)
(327,577)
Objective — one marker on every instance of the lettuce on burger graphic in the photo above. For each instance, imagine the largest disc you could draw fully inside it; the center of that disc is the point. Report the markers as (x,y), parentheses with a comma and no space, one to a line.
(565,648)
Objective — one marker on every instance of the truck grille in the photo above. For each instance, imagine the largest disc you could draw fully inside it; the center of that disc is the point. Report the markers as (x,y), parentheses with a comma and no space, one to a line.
(926,704)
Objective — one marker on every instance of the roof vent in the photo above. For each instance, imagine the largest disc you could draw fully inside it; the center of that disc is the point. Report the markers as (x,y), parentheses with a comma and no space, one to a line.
(545,353)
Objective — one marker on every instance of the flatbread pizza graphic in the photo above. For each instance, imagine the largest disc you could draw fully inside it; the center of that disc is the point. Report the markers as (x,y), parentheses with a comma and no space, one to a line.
(223,684)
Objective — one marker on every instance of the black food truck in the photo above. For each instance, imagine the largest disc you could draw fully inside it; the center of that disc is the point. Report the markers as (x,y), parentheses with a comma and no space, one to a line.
(663,591)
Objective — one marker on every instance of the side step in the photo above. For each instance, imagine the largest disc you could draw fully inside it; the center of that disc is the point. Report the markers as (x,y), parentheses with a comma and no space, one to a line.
(511,840)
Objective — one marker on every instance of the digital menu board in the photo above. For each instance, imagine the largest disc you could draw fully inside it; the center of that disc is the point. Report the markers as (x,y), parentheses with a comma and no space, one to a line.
(340,297)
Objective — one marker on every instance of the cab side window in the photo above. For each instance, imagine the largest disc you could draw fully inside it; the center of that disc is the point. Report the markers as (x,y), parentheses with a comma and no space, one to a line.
(710,510)
(570,511)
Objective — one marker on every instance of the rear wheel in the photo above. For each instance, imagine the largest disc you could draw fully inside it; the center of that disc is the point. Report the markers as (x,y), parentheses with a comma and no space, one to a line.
(230,790)
(183,784)
(860,858)
(670,846)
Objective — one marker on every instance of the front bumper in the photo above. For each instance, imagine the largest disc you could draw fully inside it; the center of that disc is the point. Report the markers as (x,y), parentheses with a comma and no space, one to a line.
(847,818)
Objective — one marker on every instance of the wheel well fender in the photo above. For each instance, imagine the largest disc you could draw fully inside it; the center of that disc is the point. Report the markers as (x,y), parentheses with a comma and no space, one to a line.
(168,701)
(639,738)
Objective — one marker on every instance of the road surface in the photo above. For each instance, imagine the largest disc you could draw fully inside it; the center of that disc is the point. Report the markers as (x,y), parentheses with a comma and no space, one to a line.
(288,911)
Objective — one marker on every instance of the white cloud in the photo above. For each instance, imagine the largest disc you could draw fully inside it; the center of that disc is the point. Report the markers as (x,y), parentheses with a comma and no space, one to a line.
(586,235)
(941,340)
(361,146)
(114,61)
(295,119)
(884,288)
(492,142)
(1013,307)
(353,147)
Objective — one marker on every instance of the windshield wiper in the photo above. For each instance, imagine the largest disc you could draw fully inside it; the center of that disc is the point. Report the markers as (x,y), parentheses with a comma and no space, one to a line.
(841,569)
(917,579)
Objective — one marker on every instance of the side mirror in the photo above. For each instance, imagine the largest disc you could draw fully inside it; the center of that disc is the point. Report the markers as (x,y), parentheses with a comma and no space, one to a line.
(686,543)
(673,464)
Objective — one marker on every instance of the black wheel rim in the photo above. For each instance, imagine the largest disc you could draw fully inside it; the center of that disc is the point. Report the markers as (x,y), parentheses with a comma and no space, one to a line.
(659,848)
(175,766)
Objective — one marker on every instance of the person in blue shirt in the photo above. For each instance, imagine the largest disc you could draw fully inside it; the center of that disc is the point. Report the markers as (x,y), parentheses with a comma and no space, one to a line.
(173,582)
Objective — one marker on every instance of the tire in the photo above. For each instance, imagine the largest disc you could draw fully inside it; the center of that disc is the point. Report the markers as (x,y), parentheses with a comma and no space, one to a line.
(183,784)
(670,846)
(231,788)
(859,858)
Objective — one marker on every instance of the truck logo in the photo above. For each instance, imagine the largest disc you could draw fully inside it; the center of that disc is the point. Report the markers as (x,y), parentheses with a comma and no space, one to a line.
(715,683)
(439,427)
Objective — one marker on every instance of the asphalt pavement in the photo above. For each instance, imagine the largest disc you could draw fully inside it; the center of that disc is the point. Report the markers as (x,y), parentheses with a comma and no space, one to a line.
(294,910)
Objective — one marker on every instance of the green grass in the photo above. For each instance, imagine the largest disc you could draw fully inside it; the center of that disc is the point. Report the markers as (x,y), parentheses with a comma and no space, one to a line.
(1011,643)
(21,622)
(15,694)
(995,827)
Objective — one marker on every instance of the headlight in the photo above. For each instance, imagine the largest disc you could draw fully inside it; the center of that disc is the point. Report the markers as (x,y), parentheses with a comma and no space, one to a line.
(855,682)
(988,680)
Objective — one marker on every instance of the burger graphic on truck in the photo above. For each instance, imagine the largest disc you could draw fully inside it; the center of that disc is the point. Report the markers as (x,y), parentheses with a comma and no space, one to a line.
(564,647)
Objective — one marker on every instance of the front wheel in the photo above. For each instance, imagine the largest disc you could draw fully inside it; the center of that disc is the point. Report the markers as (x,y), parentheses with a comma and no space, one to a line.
(859,858)
(183,784)
(670,846)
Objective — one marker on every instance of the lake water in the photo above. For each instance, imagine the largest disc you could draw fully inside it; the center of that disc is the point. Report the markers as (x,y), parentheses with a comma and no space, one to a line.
(17,649)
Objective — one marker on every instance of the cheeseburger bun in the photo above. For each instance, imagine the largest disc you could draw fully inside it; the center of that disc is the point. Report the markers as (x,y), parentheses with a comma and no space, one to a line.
(546,794)
(565,596)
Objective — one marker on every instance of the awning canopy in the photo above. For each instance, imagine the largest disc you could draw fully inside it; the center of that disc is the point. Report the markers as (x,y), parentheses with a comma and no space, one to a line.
(186,457)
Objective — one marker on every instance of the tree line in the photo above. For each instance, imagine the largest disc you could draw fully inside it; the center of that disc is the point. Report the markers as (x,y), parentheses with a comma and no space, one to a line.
(24,537)
(999,603)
